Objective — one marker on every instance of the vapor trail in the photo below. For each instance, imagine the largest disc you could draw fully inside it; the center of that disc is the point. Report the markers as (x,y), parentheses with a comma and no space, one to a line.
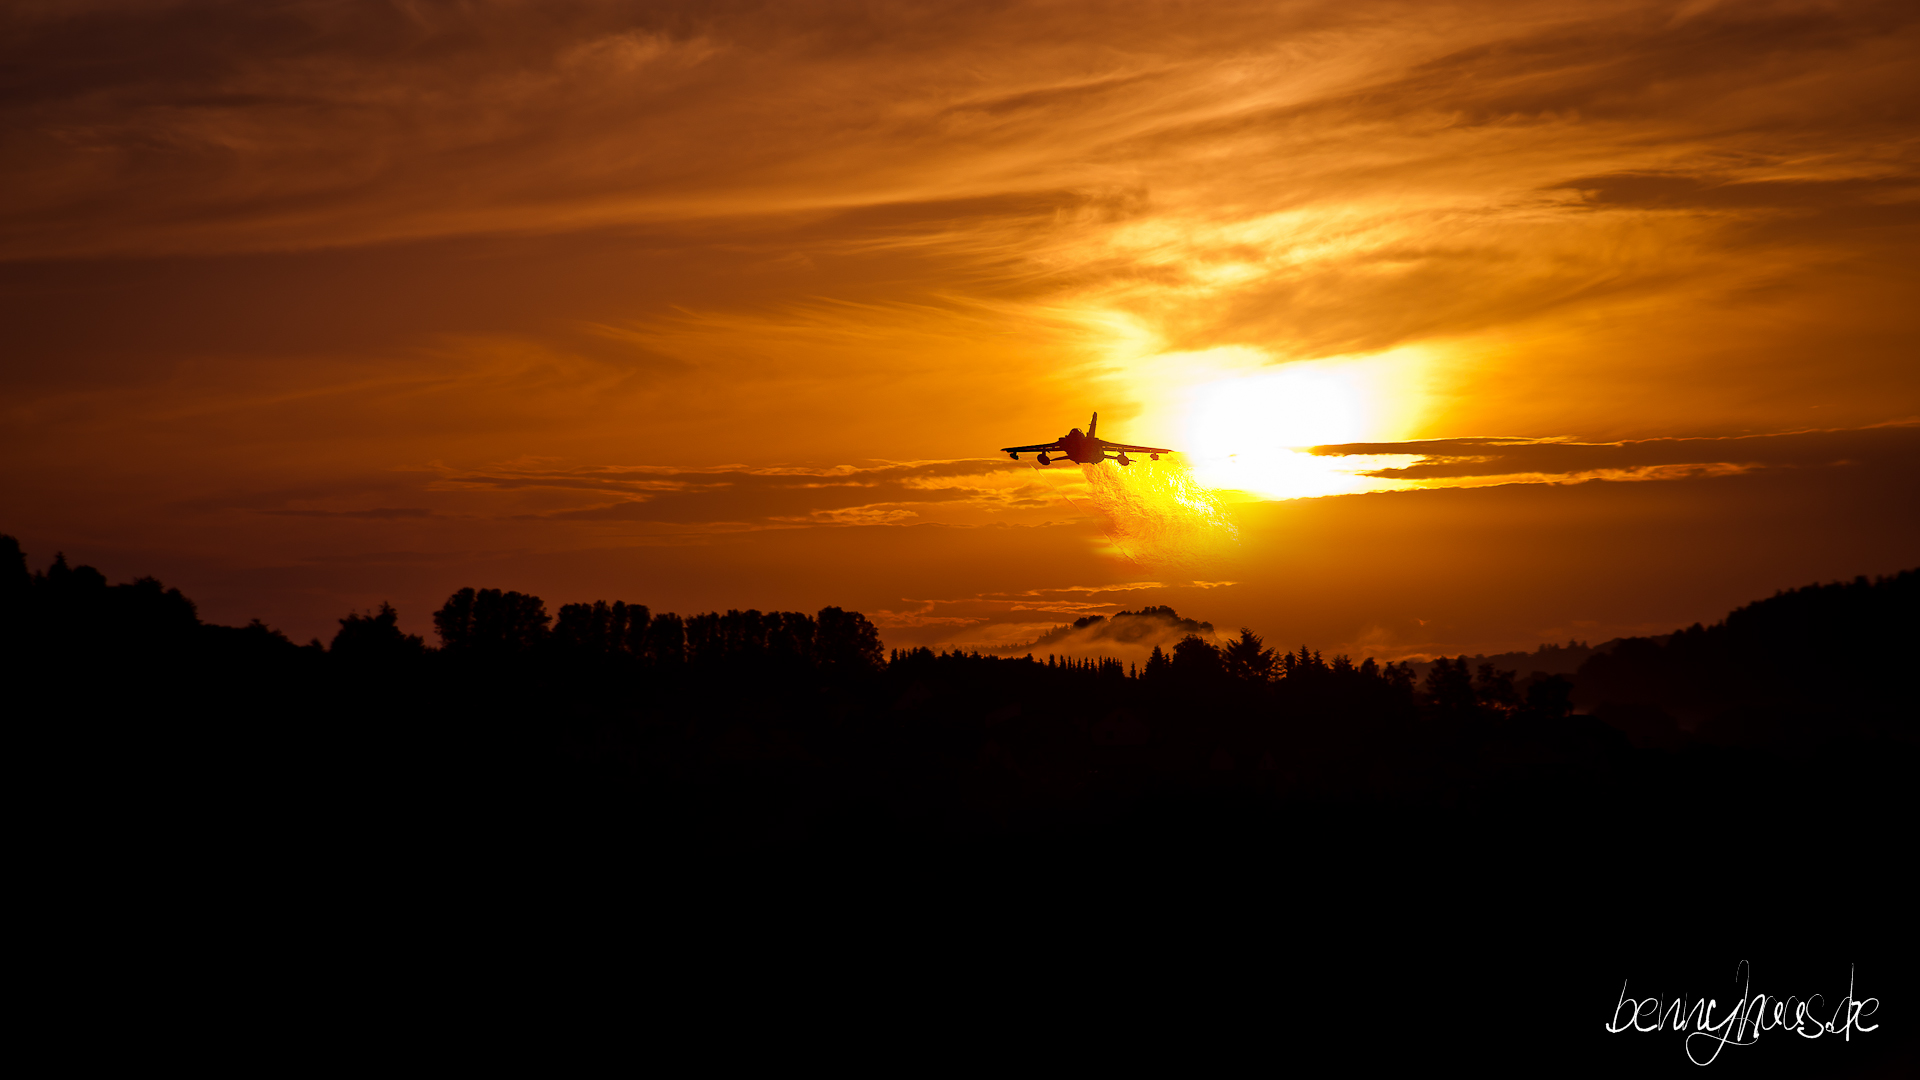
(1156,514)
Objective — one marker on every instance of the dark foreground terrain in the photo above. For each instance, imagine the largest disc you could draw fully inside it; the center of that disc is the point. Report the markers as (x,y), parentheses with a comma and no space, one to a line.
(761,823)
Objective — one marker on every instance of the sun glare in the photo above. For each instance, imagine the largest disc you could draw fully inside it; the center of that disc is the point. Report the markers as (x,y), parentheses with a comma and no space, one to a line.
(1244,423)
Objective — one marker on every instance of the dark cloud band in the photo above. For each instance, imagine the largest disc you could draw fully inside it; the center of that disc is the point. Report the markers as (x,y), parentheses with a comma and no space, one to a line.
(1455,459)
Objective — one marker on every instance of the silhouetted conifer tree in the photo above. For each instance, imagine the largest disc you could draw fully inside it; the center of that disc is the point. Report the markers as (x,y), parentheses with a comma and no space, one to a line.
(1157,666)
(1303,665)
(1245,659)
(1449,689)
(1494,689)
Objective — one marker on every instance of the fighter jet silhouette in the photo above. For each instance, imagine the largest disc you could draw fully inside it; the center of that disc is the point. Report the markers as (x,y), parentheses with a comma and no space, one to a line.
(1085,449)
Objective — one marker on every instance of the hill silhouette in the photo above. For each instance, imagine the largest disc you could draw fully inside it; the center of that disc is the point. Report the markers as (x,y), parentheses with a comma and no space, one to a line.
(1123,632)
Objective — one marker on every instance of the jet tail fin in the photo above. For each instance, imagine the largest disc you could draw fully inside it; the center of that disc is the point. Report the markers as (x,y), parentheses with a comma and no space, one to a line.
(1093,426)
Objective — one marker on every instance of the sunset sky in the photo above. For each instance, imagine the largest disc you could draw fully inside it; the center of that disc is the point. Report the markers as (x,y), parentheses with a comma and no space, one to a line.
(1478,325)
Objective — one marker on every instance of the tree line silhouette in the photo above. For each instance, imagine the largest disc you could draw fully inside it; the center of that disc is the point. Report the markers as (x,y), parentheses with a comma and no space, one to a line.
(1808,664)
(502,626)
(608,750)
(744,707)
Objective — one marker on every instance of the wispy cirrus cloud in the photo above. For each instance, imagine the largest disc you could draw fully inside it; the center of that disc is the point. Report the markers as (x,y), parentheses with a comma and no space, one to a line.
(378,513)
(686,499)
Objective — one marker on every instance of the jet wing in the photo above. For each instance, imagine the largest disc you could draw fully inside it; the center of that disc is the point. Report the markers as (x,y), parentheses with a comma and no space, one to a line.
(1105,445)
(1029,449)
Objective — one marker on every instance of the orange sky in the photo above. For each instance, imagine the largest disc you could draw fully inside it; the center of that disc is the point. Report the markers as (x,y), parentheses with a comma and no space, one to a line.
(1602,315)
